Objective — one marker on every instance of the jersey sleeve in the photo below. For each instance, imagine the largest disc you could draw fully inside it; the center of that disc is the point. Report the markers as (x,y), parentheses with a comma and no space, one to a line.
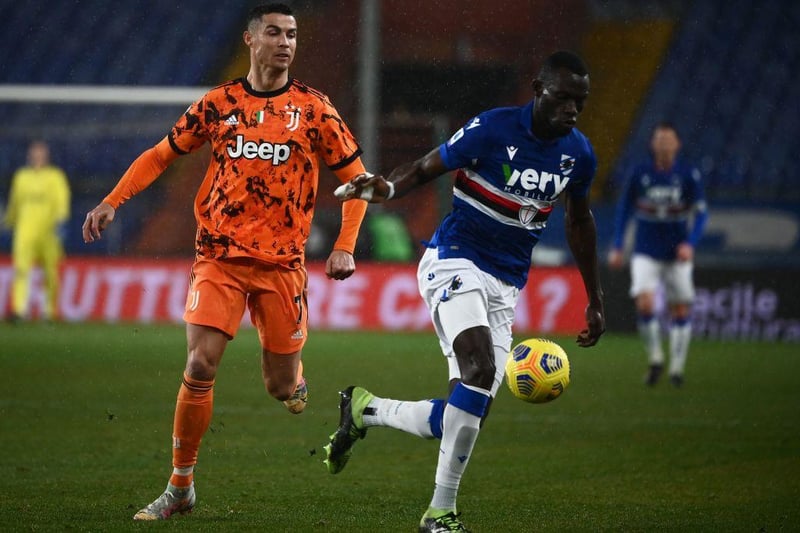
(353,211)
(698,199)
(624,209)
(142,172)
(696,189)
(467,145)
(190,131)
(338,147)
(585,169)
(62,198)
(11,209)
(340,151)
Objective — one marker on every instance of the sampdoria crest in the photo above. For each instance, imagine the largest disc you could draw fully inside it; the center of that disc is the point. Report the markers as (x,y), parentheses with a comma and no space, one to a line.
(527,214)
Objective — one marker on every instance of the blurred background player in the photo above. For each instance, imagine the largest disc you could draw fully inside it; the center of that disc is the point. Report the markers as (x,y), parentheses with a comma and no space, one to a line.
(254,208)
(513,163)
(38,206)
(662,195)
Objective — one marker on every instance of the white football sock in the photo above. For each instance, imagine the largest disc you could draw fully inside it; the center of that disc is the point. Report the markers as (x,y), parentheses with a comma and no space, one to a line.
(411,417)
(680,333)
(183,471)
(650,332)
(460,430)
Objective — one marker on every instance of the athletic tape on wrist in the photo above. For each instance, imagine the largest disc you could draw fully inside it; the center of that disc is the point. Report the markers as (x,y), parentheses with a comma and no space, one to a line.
(390,195)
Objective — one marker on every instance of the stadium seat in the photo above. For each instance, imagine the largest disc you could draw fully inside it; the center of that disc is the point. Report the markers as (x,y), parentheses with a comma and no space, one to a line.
(727,83)
(148,42)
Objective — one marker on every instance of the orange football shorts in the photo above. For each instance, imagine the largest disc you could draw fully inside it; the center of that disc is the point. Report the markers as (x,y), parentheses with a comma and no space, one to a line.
(276,297)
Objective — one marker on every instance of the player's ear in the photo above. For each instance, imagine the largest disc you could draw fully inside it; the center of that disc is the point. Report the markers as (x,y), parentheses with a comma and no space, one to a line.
(247,37)
(538,87)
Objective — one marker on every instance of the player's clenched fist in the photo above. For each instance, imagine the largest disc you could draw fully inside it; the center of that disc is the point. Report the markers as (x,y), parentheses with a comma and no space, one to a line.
(96,221)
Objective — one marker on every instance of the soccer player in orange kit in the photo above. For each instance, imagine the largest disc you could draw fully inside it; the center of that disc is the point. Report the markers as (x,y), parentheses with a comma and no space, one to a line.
(254,207)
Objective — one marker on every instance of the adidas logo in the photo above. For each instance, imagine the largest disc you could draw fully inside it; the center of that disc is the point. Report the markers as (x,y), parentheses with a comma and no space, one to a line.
(297,334)
(232,121)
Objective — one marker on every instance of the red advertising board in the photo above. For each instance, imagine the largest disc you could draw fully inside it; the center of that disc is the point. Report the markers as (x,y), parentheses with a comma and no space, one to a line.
(376,297)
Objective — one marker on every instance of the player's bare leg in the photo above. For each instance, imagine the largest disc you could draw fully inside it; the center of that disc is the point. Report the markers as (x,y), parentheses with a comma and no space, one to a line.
(283,379)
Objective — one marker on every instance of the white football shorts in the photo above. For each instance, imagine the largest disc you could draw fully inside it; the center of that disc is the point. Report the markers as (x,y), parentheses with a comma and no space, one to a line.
(648,273)
(460,296)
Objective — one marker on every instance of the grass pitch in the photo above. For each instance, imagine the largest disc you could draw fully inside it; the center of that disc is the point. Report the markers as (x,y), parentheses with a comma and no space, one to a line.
(86,419)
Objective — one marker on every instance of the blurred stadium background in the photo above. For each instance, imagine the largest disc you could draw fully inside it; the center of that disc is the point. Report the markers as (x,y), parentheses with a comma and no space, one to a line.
(85,408)
(405,75)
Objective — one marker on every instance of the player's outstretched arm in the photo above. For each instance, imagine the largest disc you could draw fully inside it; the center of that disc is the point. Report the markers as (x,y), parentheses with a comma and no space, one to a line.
(582,238)
(96,221)
(140,174)
(404,178)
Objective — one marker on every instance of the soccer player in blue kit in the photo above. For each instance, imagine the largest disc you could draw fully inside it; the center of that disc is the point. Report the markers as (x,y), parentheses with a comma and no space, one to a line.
(662,195)
(512,165)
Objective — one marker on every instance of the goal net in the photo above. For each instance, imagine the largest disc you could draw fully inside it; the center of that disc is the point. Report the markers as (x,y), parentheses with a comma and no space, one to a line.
(94,133)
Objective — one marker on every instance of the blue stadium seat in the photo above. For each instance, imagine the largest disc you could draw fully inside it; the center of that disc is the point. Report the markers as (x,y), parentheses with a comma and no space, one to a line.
(728,83)
(147,42)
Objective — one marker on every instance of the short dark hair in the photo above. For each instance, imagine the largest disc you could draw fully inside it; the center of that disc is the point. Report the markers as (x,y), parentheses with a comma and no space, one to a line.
(563,59)
(666,125)
(259,11)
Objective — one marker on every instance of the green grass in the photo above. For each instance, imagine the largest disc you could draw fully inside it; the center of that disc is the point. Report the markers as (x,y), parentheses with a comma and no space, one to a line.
(86,418)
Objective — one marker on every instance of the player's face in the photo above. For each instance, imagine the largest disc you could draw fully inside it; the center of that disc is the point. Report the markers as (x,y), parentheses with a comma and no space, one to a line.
(38,155)
(273,41)
(665,144)
(559,101)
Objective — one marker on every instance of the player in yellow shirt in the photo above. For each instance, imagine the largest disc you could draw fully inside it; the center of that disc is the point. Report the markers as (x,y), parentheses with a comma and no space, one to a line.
(38,204)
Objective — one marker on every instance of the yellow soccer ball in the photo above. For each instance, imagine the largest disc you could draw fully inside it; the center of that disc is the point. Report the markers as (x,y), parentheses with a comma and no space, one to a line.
(537,370)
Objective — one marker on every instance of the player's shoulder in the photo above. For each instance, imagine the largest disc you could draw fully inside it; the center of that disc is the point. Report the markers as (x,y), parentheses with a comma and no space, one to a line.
(642,167)
(500,115)
(580,138)
(229,83)
(224,95)
(223,88)
(495,122)
(688,169)
(56,171)
(309,93)
(580,143)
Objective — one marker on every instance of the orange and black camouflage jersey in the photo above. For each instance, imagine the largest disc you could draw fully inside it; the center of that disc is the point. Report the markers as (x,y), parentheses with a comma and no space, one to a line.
(257,198)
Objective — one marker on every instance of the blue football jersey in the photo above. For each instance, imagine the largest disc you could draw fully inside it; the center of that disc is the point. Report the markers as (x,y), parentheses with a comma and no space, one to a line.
(661,203)
(507,182)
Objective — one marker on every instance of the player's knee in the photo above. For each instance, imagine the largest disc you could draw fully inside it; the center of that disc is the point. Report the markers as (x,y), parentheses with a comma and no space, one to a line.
(279,389)
(200,367)
(480,375)
(473,348)
(680,311)
(645,303)
(205,348)
(477,367)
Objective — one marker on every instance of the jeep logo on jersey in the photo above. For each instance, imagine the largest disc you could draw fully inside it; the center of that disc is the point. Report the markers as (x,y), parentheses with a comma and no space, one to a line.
(529,180)
(278,153)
